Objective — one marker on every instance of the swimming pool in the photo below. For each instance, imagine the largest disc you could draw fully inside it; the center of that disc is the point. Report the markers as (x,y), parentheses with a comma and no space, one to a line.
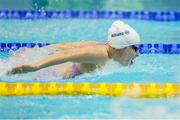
(148,68)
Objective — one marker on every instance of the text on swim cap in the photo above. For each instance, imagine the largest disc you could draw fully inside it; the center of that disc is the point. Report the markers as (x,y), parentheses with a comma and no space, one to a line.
(120,33)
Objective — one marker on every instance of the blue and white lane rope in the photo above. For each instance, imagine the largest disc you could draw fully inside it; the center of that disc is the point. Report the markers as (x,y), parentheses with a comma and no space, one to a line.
(144,48)
(93,14)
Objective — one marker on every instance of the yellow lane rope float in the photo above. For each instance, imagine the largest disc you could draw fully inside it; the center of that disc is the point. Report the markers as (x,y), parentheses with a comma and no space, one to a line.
(137,90)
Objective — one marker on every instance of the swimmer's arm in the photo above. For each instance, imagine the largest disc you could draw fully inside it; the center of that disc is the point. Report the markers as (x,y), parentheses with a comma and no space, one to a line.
(67,45)
(82,55)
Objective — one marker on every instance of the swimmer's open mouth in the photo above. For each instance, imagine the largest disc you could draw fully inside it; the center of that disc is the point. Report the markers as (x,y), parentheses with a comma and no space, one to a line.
(131,62)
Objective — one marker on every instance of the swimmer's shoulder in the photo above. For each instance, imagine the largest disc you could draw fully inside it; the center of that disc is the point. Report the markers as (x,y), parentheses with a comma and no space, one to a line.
(86,42)
(80,44)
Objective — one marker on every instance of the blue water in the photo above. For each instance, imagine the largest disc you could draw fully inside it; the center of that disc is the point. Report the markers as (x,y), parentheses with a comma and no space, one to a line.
(156,68)
(76,30)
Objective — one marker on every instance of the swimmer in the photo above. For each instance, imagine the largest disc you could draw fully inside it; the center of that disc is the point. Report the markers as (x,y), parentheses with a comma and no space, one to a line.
(74,58)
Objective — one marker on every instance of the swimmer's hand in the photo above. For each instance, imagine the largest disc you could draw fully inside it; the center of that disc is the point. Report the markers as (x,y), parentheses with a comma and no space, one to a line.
(22,69)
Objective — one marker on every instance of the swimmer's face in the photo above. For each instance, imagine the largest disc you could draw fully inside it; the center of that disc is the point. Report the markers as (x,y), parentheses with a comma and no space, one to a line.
(126,55)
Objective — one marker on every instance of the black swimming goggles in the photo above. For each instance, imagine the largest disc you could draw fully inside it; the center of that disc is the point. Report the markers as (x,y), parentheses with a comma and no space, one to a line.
(135,48)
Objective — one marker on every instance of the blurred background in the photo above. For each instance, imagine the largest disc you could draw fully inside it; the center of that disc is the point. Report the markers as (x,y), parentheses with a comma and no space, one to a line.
(151,5)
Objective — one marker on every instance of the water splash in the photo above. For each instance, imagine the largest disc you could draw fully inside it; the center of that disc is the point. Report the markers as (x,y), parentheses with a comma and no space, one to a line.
(23,56)
(145,64)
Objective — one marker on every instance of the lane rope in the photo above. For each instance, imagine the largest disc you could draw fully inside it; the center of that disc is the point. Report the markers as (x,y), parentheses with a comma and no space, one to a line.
(144,48)
(135,90)
(93,14)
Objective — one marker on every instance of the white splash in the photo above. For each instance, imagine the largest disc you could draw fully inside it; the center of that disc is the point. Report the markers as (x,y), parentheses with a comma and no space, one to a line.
(143,64)
(23,56)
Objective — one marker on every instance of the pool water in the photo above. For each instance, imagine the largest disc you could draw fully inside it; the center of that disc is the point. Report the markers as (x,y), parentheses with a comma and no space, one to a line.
(54,31)
(158,68)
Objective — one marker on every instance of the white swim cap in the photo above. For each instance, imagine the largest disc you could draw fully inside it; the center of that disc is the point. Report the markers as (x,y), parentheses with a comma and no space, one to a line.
(121,35)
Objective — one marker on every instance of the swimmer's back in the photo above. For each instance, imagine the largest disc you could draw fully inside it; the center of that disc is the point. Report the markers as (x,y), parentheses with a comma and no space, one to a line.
(70,45)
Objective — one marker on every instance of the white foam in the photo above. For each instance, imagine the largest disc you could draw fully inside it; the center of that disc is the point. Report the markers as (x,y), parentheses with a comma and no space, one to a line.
(142,64)
(23,56)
